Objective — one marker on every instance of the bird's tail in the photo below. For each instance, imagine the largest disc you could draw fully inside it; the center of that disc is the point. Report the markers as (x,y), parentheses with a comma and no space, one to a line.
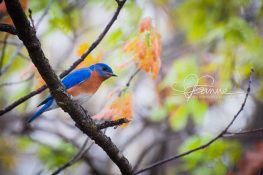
(40,111)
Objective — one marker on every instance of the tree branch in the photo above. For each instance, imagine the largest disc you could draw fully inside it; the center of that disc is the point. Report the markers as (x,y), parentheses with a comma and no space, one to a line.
(8,28)
(221,134)
(83,121)
(252,131)
(74,65)
(114,123)
(16,82)
(129,82)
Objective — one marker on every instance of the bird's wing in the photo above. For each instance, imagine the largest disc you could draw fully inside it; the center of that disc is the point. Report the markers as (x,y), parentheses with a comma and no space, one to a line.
(76,77)
(72,79)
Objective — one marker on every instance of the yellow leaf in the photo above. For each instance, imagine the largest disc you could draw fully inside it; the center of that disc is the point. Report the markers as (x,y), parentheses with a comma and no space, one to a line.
(90,59)
(82,48)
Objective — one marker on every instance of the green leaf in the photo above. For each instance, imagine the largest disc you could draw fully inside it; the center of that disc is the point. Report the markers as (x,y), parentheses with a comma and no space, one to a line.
(178,120)
(53,157)
(114,36)
(197,109)
(24,142)
(158,113)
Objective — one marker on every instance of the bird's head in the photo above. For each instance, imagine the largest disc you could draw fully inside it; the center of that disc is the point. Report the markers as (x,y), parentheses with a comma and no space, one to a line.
(103,69)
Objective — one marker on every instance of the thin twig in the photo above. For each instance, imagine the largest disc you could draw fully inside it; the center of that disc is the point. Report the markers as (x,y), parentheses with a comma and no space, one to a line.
(131,78)
(129,82)
(8,28)
(31,19)
(21,100)
(252,131)
(16,82)
(221,134)
(114,123)
(50,2)
(75,64)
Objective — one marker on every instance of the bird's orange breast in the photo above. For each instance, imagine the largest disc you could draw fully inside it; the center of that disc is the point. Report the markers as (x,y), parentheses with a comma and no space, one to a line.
(89,86)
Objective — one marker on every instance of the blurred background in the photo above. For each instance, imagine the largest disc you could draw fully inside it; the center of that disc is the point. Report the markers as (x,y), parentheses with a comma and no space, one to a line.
(186,62)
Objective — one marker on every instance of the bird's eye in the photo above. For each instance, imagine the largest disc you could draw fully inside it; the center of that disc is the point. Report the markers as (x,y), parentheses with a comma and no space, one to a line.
(104,69)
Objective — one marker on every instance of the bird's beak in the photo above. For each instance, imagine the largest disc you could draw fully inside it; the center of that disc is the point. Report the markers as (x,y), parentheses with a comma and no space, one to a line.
(113,75)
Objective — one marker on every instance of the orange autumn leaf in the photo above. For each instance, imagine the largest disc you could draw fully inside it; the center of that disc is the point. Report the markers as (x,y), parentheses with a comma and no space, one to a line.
(4,17)
(39,79)
(145,24)
(122,107)
(90,59)
(131,44)
(146,47)
(119,108)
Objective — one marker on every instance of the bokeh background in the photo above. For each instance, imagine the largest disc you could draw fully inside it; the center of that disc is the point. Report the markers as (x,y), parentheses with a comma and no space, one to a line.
(164,47)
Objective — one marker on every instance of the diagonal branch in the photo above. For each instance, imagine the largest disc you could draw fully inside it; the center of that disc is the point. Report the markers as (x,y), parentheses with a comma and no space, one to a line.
(220,135)
(83,121)
(7,28)
(75,64)
(16,82)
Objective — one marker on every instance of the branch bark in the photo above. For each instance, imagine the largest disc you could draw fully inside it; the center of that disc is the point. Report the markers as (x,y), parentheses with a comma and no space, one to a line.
(113,123)
(27,34)
(252,131)
(7,28)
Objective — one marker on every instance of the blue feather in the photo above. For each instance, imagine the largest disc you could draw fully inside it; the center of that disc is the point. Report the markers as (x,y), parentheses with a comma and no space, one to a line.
(41,110)
(76,77)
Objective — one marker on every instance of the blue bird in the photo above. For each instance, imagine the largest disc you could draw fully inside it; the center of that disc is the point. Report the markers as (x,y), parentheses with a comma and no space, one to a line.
(81,84)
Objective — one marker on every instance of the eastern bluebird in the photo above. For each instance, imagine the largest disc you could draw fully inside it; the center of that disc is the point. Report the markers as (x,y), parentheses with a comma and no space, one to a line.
(81,84)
